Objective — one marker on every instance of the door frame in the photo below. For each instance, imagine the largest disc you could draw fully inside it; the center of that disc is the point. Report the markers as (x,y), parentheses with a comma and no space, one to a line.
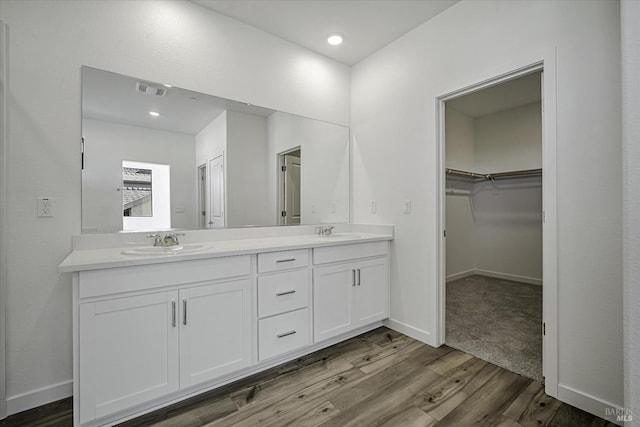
(203,195)
(547,65)
(281,193)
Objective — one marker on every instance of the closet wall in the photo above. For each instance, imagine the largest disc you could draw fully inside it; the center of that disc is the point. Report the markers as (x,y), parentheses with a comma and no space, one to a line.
(495,227)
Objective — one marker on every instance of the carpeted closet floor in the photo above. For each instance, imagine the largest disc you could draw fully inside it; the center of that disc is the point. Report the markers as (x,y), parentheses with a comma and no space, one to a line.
(497,320)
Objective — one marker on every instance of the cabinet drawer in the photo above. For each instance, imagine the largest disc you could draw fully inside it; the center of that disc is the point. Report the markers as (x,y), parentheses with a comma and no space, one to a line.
(281,334)
(141,277)
(348,252)
(283,260)
(279,293)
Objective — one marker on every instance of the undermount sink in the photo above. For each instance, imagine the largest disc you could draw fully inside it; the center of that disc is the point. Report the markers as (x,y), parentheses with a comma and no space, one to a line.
(167,250)
(337,237)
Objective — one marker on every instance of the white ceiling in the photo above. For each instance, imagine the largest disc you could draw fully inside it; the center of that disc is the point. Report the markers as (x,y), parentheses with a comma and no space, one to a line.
(113,97)
(510,94)
(367,25)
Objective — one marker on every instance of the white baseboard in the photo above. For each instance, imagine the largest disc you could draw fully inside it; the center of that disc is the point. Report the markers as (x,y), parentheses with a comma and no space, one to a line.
(410,331)
(495,274)
(39,397)
(588,403)
(461,275)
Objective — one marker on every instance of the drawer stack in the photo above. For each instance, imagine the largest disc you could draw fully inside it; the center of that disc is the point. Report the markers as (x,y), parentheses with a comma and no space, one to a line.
(283,302)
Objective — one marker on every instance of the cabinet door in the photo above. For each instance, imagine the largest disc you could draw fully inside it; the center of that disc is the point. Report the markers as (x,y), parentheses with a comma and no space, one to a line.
(129,349)
(333,288)
(372,291)
(215,330)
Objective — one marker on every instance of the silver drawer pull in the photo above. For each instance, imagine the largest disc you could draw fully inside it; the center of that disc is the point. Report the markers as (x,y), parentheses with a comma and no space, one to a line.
(286,334)
(184,311)
(173,314)
(279,294)
(285,260)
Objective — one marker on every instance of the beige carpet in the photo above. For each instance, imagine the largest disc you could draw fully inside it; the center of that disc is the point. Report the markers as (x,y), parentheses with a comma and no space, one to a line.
(496,320)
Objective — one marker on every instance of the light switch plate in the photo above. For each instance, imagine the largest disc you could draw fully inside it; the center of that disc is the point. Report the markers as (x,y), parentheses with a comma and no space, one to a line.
(45,207)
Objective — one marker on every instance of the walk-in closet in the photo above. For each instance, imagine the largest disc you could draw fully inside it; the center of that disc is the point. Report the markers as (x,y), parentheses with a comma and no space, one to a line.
(493,218)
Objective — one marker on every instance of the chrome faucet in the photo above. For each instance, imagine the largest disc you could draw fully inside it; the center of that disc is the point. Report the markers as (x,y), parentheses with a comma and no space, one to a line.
(166,240)
(325,230)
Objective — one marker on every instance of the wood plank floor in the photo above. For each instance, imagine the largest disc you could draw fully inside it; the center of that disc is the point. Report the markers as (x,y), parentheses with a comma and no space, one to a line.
(381,378)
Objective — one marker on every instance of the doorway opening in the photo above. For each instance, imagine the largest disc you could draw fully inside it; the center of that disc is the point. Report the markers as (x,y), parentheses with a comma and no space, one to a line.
(289,173)
(217,193)
(494,148)
(202,195)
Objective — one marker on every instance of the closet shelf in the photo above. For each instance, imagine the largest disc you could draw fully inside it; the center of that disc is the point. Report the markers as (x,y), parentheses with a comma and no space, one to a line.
(525,172)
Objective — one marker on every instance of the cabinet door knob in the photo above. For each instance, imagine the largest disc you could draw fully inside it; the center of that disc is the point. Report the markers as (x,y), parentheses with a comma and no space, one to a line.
(285,260)
(353,279)
(358,277)
(279,294)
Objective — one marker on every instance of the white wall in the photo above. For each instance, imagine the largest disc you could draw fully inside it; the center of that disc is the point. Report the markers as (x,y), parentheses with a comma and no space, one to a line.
(509,140)
(324,181)
(107,145)
(211,141)
(393,125)
(630,13)
(246,171)
(459,222)
(497,229)
(176,42)
(460,136)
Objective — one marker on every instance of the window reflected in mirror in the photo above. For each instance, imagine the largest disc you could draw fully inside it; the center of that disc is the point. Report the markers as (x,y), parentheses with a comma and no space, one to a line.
(136,192)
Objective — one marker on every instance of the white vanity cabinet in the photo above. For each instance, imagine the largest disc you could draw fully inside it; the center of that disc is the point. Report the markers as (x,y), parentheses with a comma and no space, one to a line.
(146,343)
(284,286)
(151,331)
(350,287)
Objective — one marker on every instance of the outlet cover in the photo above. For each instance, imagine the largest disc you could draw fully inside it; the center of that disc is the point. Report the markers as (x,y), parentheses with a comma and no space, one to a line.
(45,207)
(406,206)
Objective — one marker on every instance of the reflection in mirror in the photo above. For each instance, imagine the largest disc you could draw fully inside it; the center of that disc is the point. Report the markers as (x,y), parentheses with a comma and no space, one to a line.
(136,191)
(213,162)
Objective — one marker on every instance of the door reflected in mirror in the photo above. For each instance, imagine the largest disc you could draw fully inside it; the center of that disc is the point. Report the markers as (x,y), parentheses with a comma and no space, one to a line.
(225,159)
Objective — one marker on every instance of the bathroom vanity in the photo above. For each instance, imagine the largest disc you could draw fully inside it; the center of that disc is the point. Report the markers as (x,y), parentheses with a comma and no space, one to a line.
(151,329)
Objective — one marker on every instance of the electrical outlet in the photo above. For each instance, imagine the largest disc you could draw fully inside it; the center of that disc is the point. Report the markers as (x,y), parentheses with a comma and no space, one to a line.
(313,209)
(374,206)
(45,207)
(406,206)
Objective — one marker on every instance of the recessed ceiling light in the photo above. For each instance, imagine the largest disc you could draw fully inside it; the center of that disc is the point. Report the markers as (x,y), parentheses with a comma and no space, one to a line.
(334,39)
(154,113)
(167,85)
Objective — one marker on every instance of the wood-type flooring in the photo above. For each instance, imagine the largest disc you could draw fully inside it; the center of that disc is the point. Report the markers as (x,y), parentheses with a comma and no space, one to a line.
(381,378)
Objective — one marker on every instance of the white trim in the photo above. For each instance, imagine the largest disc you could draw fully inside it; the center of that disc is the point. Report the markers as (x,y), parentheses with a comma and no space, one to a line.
(544,61)
(39,397)
(3,215)
(587,402)
(496,275)
(410,331)
(461,275)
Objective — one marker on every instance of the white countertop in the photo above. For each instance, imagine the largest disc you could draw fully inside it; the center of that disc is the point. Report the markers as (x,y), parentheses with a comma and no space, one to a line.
(94,259)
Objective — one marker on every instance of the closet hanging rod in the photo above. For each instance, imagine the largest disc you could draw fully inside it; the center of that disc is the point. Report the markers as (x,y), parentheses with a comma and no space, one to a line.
(526,172)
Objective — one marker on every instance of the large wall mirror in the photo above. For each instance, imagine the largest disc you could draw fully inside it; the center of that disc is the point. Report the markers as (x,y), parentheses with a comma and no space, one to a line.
(157,157)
